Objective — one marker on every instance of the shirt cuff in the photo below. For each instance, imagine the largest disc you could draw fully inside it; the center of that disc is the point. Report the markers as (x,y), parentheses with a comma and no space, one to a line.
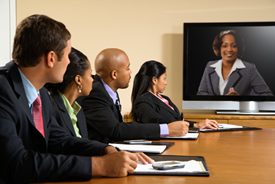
(164,131)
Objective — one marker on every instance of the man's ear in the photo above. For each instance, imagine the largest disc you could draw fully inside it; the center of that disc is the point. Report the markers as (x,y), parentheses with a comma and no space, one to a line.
(50,59)
(114,74)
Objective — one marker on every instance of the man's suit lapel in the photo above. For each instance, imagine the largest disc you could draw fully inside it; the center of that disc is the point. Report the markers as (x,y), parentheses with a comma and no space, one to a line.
(97,78)
(64,113)
(119,109)
(19,89)
(113,106)
(21,95)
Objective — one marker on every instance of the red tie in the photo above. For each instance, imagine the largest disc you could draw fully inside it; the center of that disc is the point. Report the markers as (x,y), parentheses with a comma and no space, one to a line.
(37,115)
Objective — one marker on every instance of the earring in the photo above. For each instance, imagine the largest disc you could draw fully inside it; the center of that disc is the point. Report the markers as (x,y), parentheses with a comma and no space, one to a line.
(79,87)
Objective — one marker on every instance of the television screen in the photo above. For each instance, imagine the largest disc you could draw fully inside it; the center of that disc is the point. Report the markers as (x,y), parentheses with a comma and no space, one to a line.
(238,66)
(255,53)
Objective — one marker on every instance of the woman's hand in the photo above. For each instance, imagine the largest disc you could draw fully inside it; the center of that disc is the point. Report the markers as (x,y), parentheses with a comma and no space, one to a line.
(207,124)
(232,92)
(144,159)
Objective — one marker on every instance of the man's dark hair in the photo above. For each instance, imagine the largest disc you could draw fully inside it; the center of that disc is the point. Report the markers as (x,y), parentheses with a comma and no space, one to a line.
(36,36)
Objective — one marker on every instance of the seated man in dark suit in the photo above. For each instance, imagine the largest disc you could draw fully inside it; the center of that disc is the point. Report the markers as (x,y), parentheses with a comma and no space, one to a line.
(34,148)
(102,107)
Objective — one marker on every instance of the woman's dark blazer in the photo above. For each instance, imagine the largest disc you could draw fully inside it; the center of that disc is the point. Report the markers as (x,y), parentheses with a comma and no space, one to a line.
(150,109)
(61,115)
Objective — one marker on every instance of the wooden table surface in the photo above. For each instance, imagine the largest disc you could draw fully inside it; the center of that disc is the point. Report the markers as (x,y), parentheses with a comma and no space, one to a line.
(231,157)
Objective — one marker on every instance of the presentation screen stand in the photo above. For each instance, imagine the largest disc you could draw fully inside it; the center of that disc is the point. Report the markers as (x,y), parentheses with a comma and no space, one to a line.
(247,108)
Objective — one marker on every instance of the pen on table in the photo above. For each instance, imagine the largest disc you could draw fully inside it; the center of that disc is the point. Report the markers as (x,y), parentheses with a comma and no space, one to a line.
(182,118)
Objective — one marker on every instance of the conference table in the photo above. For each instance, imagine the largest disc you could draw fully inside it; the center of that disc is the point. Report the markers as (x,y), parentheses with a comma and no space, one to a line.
(231,157)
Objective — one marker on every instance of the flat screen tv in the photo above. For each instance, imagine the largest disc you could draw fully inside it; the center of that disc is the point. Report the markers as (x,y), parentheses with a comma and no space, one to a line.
(248,88)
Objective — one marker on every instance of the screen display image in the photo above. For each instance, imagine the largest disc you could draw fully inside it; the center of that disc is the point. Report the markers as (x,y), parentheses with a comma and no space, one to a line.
(208,47)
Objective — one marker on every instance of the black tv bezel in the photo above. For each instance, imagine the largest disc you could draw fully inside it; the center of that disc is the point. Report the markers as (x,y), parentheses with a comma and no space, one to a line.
(189,97)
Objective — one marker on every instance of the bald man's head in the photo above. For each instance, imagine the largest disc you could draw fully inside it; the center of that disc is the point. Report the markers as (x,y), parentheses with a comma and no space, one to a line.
(113,67)
(108,60)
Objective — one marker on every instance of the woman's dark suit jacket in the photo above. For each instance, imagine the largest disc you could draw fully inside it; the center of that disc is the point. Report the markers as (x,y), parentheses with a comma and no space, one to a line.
(61,115)
(150,108)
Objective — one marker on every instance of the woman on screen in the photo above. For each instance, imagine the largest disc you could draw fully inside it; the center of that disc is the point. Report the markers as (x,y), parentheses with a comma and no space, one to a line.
(230,75)
(149,106)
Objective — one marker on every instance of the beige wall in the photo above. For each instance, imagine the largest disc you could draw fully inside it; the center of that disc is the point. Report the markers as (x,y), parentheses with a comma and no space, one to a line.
(144,29)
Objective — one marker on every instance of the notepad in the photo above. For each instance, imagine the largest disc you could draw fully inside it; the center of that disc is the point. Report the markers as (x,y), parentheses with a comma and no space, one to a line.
(190,167)
(194,166)
(230,127)
(140,148)
(223,127)
(188,136)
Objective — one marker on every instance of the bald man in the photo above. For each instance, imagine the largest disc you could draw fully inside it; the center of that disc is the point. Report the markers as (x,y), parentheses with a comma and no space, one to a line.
(103,110)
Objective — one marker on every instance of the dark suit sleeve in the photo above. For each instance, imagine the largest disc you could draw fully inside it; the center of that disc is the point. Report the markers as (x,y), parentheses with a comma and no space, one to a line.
(24,155)
(62,143)
(149,111)
(102,121)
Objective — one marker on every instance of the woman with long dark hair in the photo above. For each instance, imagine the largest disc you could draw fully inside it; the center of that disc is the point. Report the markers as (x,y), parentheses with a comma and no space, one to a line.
(149,106)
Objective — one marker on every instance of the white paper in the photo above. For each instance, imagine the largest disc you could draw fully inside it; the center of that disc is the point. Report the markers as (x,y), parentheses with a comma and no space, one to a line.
(223,127)
(229,126)
(140,148)
(187,136)
(190,167)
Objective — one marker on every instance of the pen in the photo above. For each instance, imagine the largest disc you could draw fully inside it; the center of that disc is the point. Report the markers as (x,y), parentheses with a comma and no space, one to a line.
(181,116)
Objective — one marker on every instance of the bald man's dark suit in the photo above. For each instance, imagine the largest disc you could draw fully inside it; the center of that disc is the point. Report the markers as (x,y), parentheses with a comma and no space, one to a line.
(104,120)
(26,156)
